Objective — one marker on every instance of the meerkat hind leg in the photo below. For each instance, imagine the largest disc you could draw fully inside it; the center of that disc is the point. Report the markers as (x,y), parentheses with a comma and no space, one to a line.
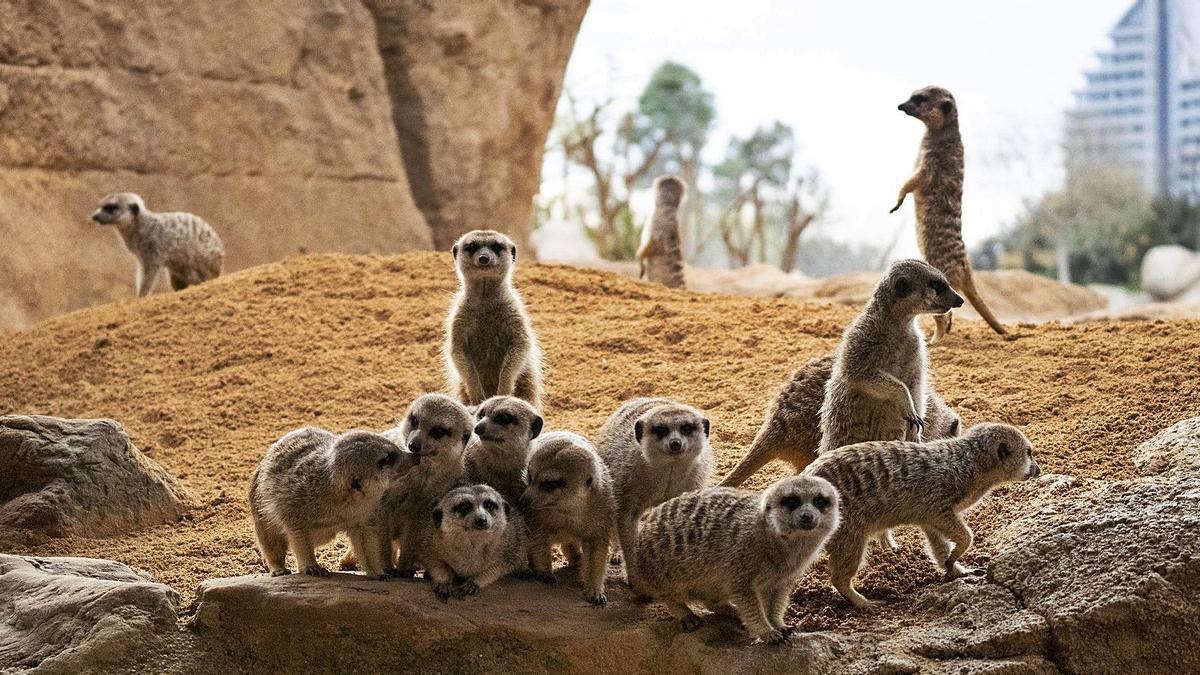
(273,547)
(845,558)
(941,326)
(938,549)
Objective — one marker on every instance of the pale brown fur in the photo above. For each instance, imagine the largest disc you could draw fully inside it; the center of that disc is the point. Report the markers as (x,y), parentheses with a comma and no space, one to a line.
(937,187)
(505,432)
(660,255)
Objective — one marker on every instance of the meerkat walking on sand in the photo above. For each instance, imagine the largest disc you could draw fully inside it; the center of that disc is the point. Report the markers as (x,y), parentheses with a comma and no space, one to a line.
(791,428)
(312,485)
(569,502)
(735,551)
(655,449)
(660,255)
(937,184)
(475,539)
(490,347)
(183,243)
(876,390)
(891,483)
(507,428)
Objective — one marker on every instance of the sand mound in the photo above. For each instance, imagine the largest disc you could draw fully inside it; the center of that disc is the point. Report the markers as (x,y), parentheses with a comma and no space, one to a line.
(205,379)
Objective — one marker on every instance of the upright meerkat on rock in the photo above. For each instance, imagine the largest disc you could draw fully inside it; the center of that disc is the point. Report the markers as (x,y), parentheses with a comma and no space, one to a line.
(937,185)
(876,389)
(655,449)
(312,485)
(506,430)
(791,428)
(183,243)
(660,255)
(490,348)
(737,552)
(887,484)
(570,503)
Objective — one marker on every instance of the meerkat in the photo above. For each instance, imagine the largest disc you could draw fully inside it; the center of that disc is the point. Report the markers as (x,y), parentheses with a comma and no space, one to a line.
(312,485)
(660,256)
(937,184)
(735,551)
(876,390)
(490,347)
(655,449)
(569,502)
(506,429)
(891,483)
(791,428)
(183,243)
(475,539)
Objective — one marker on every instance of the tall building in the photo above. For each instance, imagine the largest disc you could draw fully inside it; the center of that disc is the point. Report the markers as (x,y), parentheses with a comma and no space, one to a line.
(1141,104)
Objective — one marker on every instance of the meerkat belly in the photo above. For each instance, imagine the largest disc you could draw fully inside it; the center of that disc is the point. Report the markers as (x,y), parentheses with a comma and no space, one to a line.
(470,558)
(875,420)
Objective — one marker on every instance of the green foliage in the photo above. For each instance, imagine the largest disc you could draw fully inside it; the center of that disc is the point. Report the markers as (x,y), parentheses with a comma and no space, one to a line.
(618,242)
(677,110)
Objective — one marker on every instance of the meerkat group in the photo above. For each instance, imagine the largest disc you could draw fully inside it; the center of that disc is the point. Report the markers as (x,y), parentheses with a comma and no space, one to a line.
(470,488)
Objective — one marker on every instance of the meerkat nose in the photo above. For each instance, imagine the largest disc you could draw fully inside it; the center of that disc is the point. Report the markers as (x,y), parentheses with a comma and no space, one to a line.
(414,446)
(958,301)
(807,522)
(676,446)
(480,428)
(481,523)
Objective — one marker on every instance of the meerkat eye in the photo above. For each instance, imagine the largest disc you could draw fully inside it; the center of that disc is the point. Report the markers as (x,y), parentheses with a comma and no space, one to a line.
(110,208)
(790,502)
(939,286)
(1004,451)
(660,430)
(490,505)
(388,459)
(550,485)
(687,429)
(505,419)
(472,248)
(355,484)
(412,422)
(438,433)
(462,508)
(821,502)
(919,99)
(496,247)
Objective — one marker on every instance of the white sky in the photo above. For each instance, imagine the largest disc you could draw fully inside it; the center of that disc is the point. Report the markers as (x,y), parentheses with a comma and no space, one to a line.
(835,71)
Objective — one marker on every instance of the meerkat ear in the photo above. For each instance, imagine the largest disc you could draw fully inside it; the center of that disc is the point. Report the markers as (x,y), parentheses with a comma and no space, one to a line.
(437,518)
(637,430)
(588,482)
(466,439)
(513,249)
(1004,452)
(356,484)
(454,251)
(902,287)
(535,427)
(705,420)
(134,208)
(954,428)
(946,107)
(507,509)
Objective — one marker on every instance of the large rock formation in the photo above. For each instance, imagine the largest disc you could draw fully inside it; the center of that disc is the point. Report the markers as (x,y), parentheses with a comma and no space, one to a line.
(474,85)
(79,615)
(80,477)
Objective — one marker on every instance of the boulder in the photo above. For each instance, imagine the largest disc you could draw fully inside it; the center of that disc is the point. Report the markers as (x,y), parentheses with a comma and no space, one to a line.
(73,615)
(474,84)
(1172,273)
(80,477)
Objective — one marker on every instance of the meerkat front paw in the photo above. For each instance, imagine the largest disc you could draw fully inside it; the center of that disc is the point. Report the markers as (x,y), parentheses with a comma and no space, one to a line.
(690,623)
(957,571)
(597,598)
(774,637)
(443,591)
(316,571)
(280,573)
(468,587)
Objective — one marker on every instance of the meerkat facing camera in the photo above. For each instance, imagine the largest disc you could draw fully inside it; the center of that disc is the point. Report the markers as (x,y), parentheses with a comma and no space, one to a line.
(660,255)
(886,484)
(183,243)
(506,430)
(876,390)
(312,485)
(490,347)
(569,502)
(737,552)
(655,449)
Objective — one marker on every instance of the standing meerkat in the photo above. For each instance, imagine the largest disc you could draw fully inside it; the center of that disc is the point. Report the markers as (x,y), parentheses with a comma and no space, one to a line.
(312,485)
(183,243)
(655,449)
(506,430)
(490,347)
(660,255)
(891,483)
(876,389)
(937,184)
(791,428)
(476,538)
(569,502)
(735,551)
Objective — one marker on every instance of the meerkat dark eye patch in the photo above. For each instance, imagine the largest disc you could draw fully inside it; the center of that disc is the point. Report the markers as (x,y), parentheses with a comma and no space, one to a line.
(901,287)
(437,433)
(388,459)
(472,248)
(550,485)
(504,419)
(356,484)
(1004,452)
(946,107)
(110,208)
(490,506)
(919,99)
(463,508)
(660,430)
(790,502)
(939,286)
(496,247)
(412,422)
(821,502)
(134,209)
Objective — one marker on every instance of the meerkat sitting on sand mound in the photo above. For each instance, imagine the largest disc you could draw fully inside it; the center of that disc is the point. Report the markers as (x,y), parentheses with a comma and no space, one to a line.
(660,255)
(735,551)
(475,539)
(876,389)
(569,502)
(888,484)
(490,347)
(655,449)
(506,430)
(791,428)
(312,485)
(937,184)
(183,243)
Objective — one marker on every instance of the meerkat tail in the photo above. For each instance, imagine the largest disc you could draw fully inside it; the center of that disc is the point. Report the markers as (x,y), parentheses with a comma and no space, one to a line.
(762,450)
(968,289)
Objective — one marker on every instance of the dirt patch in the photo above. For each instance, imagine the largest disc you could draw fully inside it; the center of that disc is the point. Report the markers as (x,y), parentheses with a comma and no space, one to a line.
(206,379)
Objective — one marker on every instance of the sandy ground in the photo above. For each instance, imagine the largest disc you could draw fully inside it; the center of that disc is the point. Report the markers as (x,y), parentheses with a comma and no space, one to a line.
(206,379)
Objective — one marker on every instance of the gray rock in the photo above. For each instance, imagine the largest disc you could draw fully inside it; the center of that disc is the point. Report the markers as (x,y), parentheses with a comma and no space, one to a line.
(64,477)
(1171,273)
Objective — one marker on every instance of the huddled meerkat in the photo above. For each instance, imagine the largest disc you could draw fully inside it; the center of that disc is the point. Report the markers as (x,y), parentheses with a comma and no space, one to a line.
(569,502)
(475,539)
(506,430)
(891,483)
(490,348)
(660,255)
(791,428)
(937,184)
(655,449)
(737,552)
(876,390)
(183,243)
(312,485)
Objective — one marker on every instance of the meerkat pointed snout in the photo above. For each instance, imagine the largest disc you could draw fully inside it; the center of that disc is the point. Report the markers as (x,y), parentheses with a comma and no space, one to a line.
(932,105)
(919,288)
